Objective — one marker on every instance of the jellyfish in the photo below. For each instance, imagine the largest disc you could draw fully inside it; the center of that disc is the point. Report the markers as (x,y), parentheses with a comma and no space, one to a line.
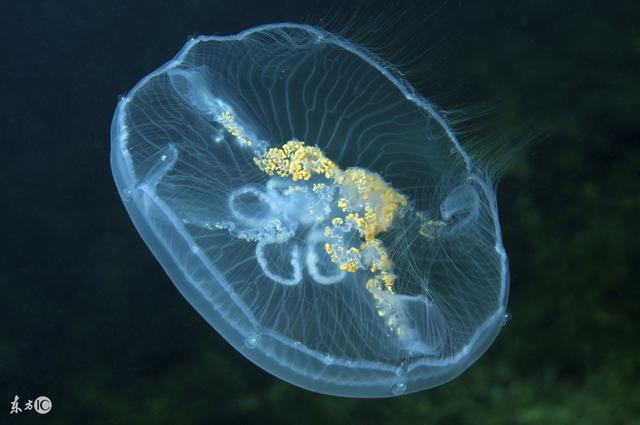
(319,213)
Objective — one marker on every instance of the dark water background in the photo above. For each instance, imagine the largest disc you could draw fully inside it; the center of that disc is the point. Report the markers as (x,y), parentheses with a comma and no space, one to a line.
(88,318)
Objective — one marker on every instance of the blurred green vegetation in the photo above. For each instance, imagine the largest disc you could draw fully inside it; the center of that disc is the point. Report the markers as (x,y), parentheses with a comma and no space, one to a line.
(90,320)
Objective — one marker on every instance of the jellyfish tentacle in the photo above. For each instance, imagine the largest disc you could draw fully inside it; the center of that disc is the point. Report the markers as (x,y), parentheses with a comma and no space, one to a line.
(267,262)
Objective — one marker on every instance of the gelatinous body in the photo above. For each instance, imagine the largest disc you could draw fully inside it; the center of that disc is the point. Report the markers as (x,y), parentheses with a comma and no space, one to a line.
(316,211)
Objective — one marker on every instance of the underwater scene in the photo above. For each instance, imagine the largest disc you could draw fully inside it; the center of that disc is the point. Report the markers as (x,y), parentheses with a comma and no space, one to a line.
(322,212)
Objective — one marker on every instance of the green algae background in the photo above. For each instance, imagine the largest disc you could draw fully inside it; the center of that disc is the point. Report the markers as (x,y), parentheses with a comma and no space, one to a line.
(89,319)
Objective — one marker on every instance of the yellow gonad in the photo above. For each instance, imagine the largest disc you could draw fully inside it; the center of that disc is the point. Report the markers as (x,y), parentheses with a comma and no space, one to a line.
(297,161)
(363,203)
(374,203)
(430,228)
(228,120)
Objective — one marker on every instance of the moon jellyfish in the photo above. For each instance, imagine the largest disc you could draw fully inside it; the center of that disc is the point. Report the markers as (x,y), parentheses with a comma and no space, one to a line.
(315,210)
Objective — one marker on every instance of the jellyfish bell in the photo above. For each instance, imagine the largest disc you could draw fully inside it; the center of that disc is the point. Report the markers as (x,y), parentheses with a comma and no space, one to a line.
(324,220)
